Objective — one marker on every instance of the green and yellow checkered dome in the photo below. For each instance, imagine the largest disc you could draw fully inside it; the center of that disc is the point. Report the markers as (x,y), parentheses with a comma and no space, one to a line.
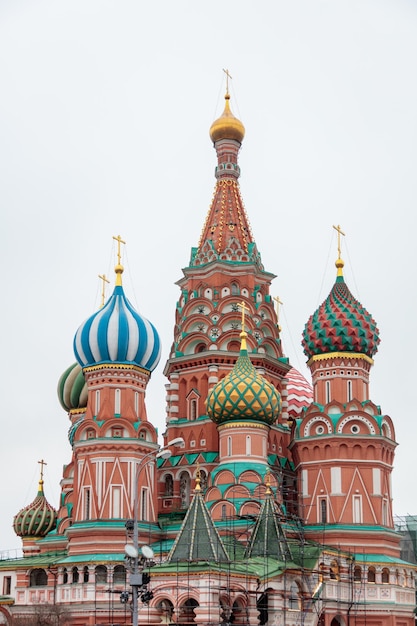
(244,394)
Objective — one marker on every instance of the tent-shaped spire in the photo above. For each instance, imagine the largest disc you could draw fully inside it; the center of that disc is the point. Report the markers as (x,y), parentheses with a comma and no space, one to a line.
(198,538)
(268,538)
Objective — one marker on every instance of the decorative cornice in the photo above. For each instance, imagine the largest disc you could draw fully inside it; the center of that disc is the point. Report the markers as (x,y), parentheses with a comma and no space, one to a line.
(340,355)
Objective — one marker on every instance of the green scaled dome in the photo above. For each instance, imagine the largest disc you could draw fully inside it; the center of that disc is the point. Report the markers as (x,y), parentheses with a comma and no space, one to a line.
(37,519)
(72,388)
(340,324)
(244,394)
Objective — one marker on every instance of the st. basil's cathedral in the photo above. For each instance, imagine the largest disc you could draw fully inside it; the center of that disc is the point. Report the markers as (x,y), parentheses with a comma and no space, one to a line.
(269,501)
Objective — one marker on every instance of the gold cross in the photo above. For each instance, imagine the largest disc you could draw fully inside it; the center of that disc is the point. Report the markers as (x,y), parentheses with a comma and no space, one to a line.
(243,307)
(227,80)
(339,232)
(42,463)
(103,287)
(119,241)
(278,301)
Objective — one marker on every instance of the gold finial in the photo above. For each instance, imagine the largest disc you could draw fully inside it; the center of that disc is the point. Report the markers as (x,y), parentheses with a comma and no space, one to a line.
(243,333)
(339,263)
(198,479)
(104,280)
(119,267)
(278,303)
(268,490)
(227,80)
(41,463)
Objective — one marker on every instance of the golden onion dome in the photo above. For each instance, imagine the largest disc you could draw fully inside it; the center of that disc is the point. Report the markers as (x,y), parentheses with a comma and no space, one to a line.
(227,126)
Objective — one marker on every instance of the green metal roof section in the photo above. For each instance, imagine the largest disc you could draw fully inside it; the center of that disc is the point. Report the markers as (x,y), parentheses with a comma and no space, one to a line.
(198,538)
(268,538)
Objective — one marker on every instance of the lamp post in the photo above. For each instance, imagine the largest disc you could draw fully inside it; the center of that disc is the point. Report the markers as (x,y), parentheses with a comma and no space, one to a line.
(136,575)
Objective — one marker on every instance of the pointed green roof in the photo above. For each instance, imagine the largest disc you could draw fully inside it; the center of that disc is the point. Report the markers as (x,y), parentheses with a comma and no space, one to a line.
(268,538)
(198,538)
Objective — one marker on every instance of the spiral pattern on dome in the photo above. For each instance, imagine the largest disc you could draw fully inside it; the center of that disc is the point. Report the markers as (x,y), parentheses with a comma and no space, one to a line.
(299,393)
(243,394)
(117,333)
(340,324)
(37,519)
(72,388)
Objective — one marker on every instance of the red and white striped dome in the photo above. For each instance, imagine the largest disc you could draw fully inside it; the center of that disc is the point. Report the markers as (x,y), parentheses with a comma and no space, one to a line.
(300,393)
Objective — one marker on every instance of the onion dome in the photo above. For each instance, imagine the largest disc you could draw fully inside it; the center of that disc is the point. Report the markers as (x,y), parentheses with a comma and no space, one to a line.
(72,388)
(227,126)
(340,324)
(37,519)
(300,393)
(117,333)
(243,394)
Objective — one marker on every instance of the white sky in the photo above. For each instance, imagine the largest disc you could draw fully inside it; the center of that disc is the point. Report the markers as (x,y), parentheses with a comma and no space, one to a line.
(104,115)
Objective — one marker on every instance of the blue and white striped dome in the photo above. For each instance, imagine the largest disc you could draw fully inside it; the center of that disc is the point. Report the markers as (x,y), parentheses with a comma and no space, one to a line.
(117,334)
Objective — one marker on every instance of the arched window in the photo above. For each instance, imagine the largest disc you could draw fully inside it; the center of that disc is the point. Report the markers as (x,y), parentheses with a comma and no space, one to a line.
(101,575)
(357,574)
(235,289)
(166,609)
(38,578)
(385,575)
(119,575)
(248,445)
(193,409)
(187,612)
(371,575)
(229,446)
(86,574)
(334,570)
(64,576)
(75,575)
(169,485)
(184,489)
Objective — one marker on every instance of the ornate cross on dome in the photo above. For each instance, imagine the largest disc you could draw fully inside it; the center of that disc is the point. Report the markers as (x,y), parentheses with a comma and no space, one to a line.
(119,241)
(227,80)
(339,232)
(103,288)
(42,463)
(244,307)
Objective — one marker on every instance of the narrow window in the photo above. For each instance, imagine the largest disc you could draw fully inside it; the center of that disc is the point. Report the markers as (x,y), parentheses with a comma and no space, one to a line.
(137,403)
(64,576)
(327,391)
(117,395)
(86,574)
(357,509)
(336,478)
(75,575)
(376,475)
(229,446)
(116,497)
(97,402)
(323,511)
(357,574)
(248,445)
(385,575)
(304,482)
(223,511)
(349,390)
(87,503)
(193,409)
(385,512)
(144,503)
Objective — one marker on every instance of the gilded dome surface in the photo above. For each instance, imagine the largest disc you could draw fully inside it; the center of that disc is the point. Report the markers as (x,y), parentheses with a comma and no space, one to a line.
(37,519)
(227,126)
(244,394)
(340,324)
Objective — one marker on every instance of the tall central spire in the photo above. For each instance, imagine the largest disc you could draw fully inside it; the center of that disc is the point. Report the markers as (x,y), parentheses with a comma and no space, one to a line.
(226,234)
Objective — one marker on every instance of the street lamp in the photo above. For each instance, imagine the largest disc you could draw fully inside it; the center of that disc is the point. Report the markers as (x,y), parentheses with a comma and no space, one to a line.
(132,551)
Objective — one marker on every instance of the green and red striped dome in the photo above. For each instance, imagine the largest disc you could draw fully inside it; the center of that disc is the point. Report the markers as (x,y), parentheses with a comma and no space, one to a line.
(340,324)
(37,519)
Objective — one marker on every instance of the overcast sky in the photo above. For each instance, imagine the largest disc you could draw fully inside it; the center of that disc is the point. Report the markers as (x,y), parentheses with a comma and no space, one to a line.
(105,109)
